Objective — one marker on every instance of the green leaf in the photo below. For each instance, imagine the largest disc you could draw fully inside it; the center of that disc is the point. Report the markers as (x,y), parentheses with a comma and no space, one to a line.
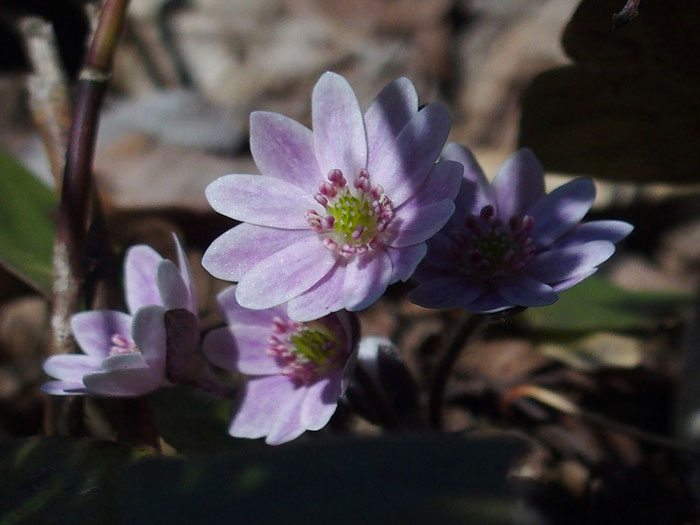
(595,304)
(27,231)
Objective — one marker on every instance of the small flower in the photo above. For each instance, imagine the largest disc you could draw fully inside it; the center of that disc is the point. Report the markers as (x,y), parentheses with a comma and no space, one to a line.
(299,370)
(338,213)
(508,243)
(125,355)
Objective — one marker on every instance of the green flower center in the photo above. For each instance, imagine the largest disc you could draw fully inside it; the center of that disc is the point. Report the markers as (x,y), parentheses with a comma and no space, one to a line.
(315,344)
(354,218)
(493,250)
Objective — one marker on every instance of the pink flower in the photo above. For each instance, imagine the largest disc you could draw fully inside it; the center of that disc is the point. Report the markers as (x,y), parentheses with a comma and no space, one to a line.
(338,213)
(299,370)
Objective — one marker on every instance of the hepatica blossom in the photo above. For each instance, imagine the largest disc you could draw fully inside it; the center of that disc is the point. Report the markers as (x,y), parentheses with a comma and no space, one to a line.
(508,244)
(125,354)
(299,370)
(338,213)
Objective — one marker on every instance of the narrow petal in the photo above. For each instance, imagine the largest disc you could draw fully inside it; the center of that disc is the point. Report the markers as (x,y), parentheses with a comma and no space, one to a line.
(487,303)
(366,279)
(64,388)
(239,350)
(339,131)
(558,265)
(93,330)
(172,286)
(186,274)
(475,191)
(393,108)
(446,292)
(149,335)
(561,210)
(238,250)
(568,283)
(321,401)
(131,382)
(285,274)
(284,149)
(140,277)
(613,231)
(236,315)
(443,182)
(526,291)
(405,260)
(412,225)
(71,367)
(261,200)
(519,184)
(324,297)
(406,163)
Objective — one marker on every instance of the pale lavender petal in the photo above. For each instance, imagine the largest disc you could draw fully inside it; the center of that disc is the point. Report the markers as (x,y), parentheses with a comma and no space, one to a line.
(405,260)
(561,210)
(285,274)
(568,283)
(123,362)
(443,182)
(284,149)
(321,401)
(93,330)
(64,388)
(186,274)
(386,117)
(519,184)
(238,250)
(366,279)
(140,277)
(558,265)
(487,303)
(613,231)
(131,382)
(236,315)
(71,367)
(446,292)
(526,291)
(476,191)
(406,163)
(242,350)
(287,423)
(149,335)
(261,200)
(324,297)
(339,131)
(172,286)
(412,225)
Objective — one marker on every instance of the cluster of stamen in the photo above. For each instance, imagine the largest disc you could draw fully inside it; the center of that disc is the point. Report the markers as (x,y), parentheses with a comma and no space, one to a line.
(354,217)
(304,350)
(492,249)
(122,345)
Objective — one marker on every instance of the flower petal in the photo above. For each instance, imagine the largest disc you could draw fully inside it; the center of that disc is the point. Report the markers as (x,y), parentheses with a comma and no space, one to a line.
(130,382)
(339,131)
(287,424)
(568,283)
(172,286)
(123,362)
(395,105)
(140,277)
(64,388)
(366,279)
(613,231)
(285,274)
(405,260)
(261,200)
(244,351)
(71,367)
(519,184)
(526,291)
(238,250)
(186,274)
(93,330)
(412,225)
(149,335)
(558,265)
(236,315)
(475,191)
(284,149)
(487,303)
(443,182)
(406,163)
(561,210)
(446,292)
(322,298)
(321,401)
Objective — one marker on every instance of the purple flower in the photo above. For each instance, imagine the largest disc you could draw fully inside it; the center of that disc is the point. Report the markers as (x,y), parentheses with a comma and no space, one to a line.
(299,370)
(125,355)
(338,213)
(508,243)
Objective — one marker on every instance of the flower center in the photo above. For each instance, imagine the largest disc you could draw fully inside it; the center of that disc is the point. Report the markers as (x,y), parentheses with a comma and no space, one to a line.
(305,350)
(122,345)
(491,249)
(354,216)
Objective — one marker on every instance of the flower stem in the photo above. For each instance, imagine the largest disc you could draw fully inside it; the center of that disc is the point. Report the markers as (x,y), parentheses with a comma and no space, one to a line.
(437,391)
